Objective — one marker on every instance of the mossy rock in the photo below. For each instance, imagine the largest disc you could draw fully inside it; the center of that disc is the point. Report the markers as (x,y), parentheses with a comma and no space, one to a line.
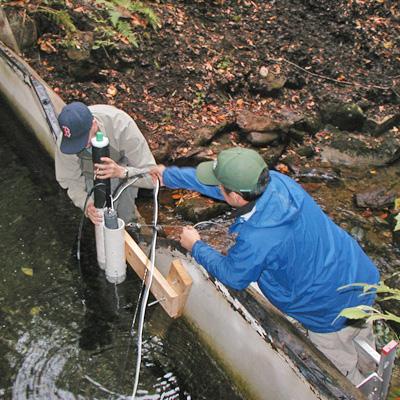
(345,116)
(309,124)
(306,151)
(297,135)
(201,209)
(365,146)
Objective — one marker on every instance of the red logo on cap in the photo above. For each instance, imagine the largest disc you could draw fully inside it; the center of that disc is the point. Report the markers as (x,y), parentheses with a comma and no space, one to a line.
(67,131)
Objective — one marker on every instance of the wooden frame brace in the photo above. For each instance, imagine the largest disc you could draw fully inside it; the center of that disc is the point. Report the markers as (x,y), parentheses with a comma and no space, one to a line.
(172,291)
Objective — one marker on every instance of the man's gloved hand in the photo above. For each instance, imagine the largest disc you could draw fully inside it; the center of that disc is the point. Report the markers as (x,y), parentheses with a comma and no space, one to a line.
(93,214)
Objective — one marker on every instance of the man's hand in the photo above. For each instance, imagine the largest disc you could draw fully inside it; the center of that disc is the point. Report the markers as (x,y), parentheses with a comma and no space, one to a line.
(157,173)
(93,214)
(108,169)
(189,237)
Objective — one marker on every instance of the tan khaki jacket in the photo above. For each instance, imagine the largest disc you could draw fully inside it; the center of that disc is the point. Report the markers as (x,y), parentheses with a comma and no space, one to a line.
(128,147)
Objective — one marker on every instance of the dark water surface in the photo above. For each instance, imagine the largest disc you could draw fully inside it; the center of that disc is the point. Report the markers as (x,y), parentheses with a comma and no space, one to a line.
(64,334)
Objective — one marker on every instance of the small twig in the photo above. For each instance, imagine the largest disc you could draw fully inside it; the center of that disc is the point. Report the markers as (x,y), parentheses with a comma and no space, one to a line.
(395,92)
(105,51)
(336,80)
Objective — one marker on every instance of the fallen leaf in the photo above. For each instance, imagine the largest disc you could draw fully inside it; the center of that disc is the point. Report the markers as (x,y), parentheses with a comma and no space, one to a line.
(123,39)
(112,91)
(136,20)
(208,66)
(46,46)
(397,227)
(35,311)
(169,128)
(388,45)
(282,168)
(27,271)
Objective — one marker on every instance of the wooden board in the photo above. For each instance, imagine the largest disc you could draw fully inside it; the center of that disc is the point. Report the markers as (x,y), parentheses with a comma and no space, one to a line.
(181,282)
(172,291)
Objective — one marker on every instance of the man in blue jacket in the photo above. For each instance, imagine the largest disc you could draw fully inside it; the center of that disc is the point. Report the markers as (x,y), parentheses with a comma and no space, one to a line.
(297,255)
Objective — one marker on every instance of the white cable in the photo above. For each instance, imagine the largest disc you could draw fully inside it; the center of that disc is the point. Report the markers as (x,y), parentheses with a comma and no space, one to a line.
(130,182)
(206,223)
(146,292)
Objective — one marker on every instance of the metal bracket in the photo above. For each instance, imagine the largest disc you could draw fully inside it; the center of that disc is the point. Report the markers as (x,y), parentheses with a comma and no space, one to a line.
(376,385)
(48,108)
(39,88)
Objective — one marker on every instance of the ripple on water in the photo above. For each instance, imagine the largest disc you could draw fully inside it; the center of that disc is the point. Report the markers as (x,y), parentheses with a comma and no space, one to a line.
(42,363)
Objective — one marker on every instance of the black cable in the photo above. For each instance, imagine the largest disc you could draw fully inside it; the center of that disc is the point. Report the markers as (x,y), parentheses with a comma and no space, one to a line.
(78,246)
(78,249)
(122,182)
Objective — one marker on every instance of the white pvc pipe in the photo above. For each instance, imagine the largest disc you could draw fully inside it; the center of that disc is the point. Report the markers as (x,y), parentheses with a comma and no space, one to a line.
(99,235)
(114,244)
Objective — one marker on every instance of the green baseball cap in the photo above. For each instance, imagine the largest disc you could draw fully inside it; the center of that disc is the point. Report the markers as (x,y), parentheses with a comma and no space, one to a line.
(237,169)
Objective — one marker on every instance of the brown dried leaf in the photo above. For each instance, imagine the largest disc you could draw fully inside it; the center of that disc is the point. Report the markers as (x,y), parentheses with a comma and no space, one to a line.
(112,91)
(46,46)
(282,168)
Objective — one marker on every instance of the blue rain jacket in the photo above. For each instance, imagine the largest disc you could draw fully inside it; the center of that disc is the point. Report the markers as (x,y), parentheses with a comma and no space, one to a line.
(298,256)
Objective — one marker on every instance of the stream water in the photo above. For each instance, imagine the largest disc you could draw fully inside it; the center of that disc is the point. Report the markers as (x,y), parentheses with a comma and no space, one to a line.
(65,331)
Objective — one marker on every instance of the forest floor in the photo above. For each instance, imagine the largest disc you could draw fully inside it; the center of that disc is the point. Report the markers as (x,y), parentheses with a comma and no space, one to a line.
(196,70)
(202,67)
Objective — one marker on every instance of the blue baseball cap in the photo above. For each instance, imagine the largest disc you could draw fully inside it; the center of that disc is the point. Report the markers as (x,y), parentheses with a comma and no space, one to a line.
(75,122)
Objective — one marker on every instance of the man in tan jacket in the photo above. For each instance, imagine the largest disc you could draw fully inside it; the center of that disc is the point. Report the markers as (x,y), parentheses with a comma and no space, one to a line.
(129,155)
